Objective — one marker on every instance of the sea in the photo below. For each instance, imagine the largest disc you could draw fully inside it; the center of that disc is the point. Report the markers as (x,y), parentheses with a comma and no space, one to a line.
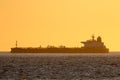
(60,66)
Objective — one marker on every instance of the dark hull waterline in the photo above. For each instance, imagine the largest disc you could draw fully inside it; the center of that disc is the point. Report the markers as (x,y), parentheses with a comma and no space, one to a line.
(58,50)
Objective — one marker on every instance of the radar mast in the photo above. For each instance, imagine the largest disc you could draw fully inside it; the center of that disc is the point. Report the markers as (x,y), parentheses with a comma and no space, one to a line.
(16,44)
(93,37)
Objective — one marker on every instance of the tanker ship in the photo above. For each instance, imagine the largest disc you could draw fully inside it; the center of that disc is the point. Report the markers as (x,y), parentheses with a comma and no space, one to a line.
(90,46)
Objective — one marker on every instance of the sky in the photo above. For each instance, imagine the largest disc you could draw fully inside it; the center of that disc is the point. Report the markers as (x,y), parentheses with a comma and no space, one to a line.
(58,22)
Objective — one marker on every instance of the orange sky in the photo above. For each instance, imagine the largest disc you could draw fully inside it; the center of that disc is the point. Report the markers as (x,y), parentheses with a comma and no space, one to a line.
(56,22)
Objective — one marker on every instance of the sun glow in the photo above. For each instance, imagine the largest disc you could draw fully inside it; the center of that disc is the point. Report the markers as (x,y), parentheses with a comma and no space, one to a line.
(58,22)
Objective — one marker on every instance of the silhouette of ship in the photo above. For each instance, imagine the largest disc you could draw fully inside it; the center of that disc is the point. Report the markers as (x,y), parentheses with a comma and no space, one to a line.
(90,46)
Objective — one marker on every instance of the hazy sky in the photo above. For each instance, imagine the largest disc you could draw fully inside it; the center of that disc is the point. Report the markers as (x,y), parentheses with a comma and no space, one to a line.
(58,22)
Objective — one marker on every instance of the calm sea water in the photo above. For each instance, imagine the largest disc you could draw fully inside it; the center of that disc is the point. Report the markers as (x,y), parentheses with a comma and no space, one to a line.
(59,54)
(62,66)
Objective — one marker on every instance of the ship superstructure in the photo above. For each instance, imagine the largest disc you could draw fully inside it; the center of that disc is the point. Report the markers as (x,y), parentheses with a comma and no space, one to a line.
(93,45)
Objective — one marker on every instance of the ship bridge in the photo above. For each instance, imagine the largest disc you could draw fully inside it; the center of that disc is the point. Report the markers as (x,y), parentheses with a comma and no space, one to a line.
(92,43)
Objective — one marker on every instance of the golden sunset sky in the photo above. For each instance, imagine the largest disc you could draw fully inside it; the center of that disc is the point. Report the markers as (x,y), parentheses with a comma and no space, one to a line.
(58,22)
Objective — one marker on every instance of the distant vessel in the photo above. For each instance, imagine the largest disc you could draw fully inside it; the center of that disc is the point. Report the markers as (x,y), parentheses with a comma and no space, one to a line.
(90,46)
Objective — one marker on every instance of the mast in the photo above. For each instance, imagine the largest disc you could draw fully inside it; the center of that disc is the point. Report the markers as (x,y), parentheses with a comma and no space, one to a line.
(16,44)
(93,37)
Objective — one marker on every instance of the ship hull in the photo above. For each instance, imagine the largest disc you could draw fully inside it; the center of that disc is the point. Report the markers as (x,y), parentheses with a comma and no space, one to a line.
(59,50)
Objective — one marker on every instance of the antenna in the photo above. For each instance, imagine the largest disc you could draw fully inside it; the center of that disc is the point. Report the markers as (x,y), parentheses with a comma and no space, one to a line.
(93,37)
(16,44)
